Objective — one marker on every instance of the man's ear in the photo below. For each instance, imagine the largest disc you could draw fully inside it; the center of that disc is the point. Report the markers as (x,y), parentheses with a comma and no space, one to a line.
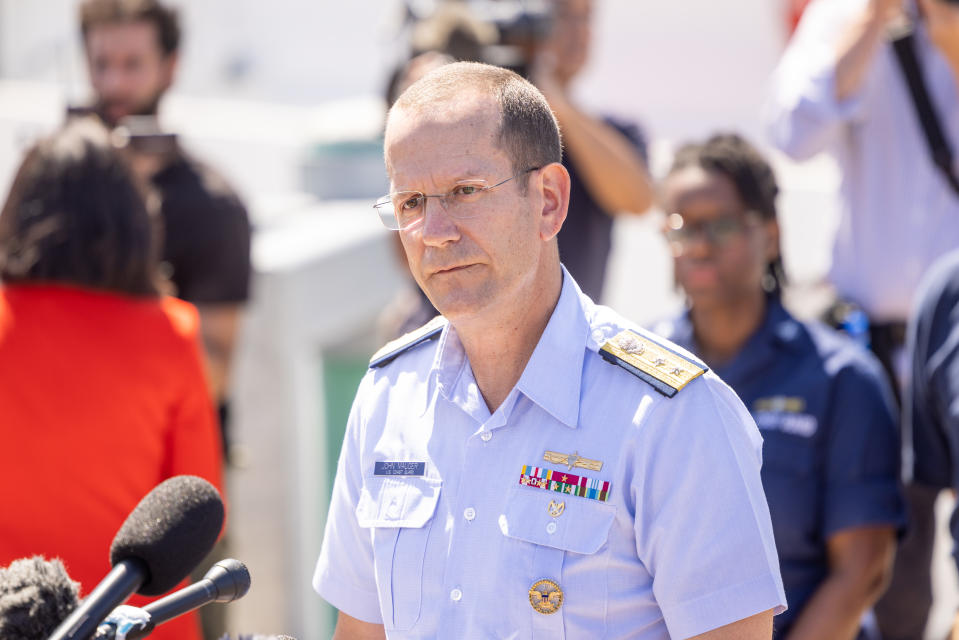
(554,183)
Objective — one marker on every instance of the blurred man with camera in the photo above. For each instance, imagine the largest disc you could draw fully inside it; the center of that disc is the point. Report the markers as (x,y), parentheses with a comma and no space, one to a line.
(876,82)
(132,53)
(132,49)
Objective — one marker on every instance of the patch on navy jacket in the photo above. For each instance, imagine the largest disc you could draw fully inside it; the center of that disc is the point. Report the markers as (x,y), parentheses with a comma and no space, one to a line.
(392,349)
(786,414)
(664,370)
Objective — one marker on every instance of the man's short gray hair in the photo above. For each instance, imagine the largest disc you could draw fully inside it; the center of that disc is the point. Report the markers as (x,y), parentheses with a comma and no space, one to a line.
(529,132)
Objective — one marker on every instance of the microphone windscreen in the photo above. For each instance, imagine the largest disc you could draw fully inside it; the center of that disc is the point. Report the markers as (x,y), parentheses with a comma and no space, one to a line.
(36,595)
(172,529)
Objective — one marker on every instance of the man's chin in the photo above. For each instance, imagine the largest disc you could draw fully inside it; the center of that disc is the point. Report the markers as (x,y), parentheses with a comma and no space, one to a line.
(457,307)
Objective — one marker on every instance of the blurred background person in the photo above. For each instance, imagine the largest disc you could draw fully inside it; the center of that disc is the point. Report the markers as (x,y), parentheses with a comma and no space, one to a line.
(931,409)
(840,87)
(606,158)
(830,439)
(102,388)
(132,49)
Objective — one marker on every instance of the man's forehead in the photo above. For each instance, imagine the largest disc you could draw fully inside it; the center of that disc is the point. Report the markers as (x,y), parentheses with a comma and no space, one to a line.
(142,33)
(454,138)
(472,109)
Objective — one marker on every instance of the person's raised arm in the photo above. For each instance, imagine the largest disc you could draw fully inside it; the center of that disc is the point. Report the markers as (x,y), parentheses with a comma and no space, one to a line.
(860,43)
(943,20)
(815,87)
(610,166)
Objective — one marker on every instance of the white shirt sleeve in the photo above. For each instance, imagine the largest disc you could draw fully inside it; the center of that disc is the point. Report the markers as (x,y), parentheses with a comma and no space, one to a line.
(801,114)
(344,574)
(702,522)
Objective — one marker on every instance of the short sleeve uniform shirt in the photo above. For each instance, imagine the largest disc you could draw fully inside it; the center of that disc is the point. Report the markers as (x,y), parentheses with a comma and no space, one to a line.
(653,523)
(830,439)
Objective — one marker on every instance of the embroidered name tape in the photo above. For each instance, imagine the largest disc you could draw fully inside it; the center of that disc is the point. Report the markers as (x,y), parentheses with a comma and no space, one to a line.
(563,482)
(382,468)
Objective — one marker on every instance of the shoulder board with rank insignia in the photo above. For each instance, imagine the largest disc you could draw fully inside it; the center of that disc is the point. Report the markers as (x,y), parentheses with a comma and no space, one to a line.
(665,370)
(392,349)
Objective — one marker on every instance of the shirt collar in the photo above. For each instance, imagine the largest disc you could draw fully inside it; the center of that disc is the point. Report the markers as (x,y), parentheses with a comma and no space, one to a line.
(553,375)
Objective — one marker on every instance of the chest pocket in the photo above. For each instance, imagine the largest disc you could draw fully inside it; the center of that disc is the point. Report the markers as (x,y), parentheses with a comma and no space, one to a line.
(569,548)
(399,512)
(582,526)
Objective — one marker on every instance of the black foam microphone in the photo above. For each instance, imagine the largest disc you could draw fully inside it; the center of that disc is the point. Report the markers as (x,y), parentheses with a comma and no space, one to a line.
(35,596)
(168,533)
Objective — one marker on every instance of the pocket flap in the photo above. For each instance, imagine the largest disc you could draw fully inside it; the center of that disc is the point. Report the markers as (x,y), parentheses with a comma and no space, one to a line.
(582,526)
(397,501)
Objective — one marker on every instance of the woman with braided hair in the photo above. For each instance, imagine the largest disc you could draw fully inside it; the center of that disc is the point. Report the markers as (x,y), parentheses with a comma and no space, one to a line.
(831,448)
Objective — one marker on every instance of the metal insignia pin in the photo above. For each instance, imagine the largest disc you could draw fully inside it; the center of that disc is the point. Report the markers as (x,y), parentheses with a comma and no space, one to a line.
(556,510)
(545,596)
(629,344)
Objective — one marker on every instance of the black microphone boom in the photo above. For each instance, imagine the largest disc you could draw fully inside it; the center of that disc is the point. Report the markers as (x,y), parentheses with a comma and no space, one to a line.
(168,533)
(226,581)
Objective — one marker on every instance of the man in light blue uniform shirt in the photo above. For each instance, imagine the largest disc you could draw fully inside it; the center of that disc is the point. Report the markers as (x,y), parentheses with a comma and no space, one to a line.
(529,464)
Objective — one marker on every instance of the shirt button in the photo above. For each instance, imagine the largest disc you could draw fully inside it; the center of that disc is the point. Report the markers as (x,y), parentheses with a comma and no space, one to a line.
(551,528)
(470,513)
(456,595)
(487,435)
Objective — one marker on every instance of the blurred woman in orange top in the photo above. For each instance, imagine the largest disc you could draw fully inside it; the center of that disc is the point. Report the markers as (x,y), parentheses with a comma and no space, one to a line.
(102,390)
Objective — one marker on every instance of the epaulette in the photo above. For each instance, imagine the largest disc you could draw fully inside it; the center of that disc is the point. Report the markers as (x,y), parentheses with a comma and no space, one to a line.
(392,349)
(665,370)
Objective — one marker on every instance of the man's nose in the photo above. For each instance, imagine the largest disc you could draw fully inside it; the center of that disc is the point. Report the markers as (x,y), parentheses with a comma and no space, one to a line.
(439,227)
(112,81)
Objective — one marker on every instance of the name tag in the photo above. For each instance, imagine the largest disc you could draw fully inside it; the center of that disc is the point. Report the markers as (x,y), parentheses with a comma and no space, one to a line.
(381,468)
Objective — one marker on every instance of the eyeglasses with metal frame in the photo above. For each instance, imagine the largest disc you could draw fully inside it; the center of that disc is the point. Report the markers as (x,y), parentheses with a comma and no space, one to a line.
(403,209)
(717,233)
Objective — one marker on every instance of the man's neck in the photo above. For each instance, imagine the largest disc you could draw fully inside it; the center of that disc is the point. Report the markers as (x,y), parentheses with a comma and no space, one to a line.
(722,330)
(499,347)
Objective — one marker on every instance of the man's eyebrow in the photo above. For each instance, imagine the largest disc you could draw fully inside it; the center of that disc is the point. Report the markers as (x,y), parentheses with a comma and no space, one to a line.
(466,176)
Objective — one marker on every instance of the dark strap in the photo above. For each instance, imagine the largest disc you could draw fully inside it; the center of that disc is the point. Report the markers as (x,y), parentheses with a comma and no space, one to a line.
(905,48)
